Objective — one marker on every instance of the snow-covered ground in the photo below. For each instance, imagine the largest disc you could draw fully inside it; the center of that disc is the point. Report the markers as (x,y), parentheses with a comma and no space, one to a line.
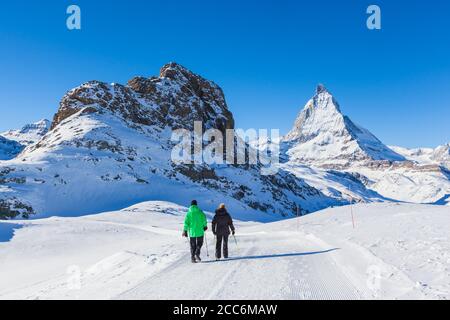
(395,251)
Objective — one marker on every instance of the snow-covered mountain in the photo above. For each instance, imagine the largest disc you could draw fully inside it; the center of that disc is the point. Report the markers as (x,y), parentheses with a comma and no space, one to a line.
(110,146)
(28,134)
(325,146)
(323,136)
(426,156)
(442,155)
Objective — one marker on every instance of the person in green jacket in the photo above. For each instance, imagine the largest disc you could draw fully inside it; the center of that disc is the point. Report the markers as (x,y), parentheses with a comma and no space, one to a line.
(195,225)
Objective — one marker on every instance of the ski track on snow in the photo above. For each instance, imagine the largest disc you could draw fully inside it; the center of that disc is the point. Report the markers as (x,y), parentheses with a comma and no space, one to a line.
(284,275)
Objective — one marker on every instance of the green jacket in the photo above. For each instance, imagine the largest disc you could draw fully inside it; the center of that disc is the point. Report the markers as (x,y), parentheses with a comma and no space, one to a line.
(195,222)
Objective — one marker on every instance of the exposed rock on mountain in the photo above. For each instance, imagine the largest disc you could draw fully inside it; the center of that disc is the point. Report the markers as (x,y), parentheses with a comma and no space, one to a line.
(175,99)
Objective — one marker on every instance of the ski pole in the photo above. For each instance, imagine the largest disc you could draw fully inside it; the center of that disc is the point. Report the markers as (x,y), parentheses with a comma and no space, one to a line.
(235,241)
(206,242)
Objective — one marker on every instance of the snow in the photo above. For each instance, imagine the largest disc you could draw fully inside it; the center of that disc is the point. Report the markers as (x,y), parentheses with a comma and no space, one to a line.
(110,147)
(408,184)
(30,133)
(323,135)
(66,177)
(9,148)
(395,251)
(426,156)
(335,184)
(325,149)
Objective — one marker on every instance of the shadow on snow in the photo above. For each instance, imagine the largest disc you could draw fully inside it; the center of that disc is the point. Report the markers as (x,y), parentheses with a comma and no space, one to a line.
(7,231)
(271,256)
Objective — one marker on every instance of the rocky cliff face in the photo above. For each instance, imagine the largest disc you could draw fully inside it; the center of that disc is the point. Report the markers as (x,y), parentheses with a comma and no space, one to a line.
(175,99)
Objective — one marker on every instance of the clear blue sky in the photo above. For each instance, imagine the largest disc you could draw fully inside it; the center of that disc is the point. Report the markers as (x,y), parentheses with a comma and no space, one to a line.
(268,57)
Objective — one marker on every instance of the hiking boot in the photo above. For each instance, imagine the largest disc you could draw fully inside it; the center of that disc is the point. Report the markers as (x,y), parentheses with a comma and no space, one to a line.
(193,260)
(198,258)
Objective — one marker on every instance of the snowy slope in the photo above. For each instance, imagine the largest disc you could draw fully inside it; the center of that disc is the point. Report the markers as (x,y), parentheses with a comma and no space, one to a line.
(351,186)
(9,148)
(28,134)
(426,156)
(395,251)
(408,182)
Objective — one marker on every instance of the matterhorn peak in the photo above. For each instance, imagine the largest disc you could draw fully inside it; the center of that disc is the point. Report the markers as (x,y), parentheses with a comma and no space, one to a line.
(321,89)
(321,112)
(324,136)
(324,99)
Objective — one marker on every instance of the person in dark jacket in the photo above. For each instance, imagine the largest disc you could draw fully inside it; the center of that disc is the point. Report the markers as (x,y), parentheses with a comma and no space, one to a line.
(221,225)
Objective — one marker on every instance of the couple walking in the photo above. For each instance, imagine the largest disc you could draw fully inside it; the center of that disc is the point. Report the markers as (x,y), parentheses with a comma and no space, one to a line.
(195,225)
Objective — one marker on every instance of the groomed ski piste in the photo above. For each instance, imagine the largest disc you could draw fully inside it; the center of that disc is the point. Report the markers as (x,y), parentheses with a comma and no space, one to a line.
(364,251)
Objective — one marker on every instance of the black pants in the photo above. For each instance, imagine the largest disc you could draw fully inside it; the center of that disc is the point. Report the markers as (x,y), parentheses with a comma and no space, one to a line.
(196,246)
(222,238)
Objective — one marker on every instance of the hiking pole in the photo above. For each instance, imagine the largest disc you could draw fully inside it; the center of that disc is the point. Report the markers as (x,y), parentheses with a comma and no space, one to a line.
(206,242)
(188,240)
(235,241)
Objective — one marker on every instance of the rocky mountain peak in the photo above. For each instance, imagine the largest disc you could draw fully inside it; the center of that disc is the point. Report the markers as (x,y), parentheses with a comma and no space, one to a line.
(321,112)
(175,71)
(176,98)
(324,136)
(321,89)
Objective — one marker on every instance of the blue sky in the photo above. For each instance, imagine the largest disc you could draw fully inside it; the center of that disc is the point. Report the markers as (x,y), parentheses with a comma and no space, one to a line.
(268,57)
